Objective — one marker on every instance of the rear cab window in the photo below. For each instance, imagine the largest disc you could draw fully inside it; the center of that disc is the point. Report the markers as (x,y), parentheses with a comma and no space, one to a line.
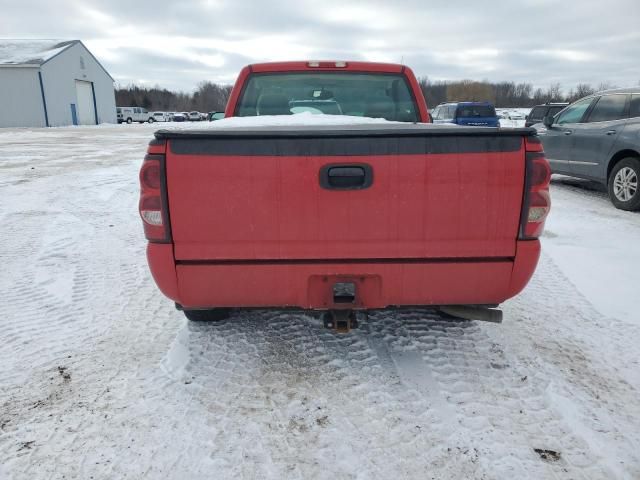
(475,111)
(553,111)
(538,113)
(373,95)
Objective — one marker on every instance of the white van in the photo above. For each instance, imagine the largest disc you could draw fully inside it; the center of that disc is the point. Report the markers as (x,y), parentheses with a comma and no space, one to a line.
(134,114)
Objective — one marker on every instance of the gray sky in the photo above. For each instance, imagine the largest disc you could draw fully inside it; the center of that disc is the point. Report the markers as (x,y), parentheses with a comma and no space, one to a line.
(178,43)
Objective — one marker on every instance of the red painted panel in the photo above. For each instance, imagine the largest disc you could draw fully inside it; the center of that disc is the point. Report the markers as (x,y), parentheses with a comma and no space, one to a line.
(163,268)
(528,253)
(419,206)
(379,285)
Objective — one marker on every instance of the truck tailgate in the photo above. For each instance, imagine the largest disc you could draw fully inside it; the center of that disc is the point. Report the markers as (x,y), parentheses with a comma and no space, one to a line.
(434,193)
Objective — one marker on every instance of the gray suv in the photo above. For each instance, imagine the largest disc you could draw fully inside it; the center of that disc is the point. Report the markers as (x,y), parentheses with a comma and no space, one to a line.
(598,138)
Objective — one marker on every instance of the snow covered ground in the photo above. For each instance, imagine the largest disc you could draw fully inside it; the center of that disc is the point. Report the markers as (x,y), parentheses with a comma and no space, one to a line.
(101,378)
(512,117)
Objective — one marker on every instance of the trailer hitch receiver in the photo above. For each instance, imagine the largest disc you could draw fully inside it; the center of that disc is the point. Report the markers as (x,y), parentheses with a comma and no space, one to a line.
(341,321)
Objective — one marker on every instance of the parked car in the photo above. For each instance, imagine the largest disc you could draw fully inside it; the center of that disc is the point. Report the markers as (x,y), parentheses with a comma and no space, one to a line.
(341,217)
(515,116)
(160,116)
(215,116)
(134,114)
(195,116)
(538,112)
(477,114)
(179,117)
(598,138)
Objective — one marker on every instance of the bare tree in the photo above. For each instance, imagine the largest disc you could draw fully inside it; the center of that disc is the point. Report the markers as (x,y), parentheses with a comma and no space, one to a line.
(471,91)
(208,97)
(605,86)
(554,93)
(582,90)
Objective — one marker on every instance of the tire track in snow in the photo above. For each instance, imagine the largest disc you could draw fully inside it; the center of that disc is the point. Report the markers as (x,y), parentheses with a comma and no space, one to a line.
(493,415)
(596,394)
(272,394)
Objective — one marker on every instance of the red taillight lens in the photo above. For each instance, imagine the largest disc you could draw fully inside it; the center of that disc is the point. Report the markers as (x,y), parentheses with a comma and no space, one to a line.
(152,205)
(539,171)
(150,176)
(537,202)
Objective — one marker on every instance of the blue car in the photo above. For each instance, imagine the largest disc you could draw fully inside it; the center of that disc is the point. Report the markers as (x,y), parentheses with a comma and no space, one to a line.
(476,114)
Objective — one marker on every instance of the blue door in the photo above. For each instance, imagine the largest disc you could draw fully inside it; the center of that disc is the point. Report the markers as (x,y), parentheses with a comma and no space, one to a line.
(74,115)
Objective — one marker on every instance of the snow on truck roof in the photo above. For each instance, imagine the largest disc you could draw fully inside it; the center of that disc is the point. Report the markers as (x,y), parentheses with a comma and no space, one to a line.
(31,52)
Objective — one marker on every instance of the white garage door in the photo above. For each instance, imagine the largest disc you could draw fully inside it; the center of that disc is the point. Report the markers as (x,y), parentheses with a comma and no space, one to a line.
(84,95)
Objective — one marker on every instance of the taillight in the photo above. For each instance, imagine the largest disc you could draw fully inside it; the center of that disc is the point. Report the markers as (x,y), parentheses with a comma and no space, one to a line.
(536,202)
(153,196)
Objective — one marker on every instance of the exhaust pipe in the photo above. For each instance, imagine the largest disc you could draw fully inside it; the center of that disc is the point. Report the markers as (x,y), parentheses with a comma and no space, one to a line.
(471,312)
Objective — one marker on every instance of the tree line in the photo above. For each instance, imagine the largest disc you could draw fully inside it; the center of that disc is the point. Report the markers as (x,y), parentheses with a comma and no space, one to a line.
(210,97)
(503,94)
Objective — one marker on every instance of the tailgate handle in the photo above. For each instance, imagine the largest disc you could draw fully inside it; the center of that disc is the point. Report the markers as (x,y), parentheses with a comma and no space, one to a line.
(354,176)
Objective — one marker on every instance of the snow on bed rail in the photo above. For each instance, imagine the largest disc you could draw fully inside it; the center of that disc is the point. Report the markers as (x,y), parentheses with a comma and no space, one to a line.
(296,119)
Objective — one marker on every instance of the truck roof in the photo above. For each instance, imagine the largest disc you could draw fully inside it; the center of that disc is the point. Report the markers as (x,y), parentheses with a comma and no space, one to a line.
(299,66)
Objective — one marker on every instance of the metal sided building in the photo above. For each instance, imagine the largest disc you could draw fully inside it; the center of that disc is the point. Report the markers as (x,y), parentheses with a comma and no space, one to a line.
(51,83)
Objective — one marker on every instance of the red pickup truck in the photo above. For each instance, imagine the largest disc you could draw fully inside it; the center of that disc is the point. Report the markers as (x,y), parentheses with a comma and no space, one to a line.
(340,217)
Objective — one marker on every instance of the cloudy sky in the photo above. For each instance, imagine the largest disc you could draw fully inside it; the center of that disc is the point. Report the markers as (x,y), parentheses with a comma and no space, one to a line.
(176,44)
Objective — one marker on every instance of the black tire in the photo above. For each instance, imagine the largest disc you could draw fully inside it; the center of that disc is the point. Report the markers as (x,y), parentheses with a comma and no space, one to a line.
(129,120)
(624,184)
(212,315)
(151,120)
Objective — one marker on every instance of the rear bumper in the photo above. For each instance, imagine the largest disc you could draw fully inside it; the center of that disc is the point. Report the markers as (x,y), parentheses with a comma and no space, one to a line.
(378,284)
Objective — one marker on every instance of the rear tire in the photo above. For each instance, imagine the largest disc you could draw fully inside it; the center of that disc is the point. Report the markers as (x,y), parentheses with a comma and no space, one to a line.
(212,315)
(151,120)
(129,121)
(624,183)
